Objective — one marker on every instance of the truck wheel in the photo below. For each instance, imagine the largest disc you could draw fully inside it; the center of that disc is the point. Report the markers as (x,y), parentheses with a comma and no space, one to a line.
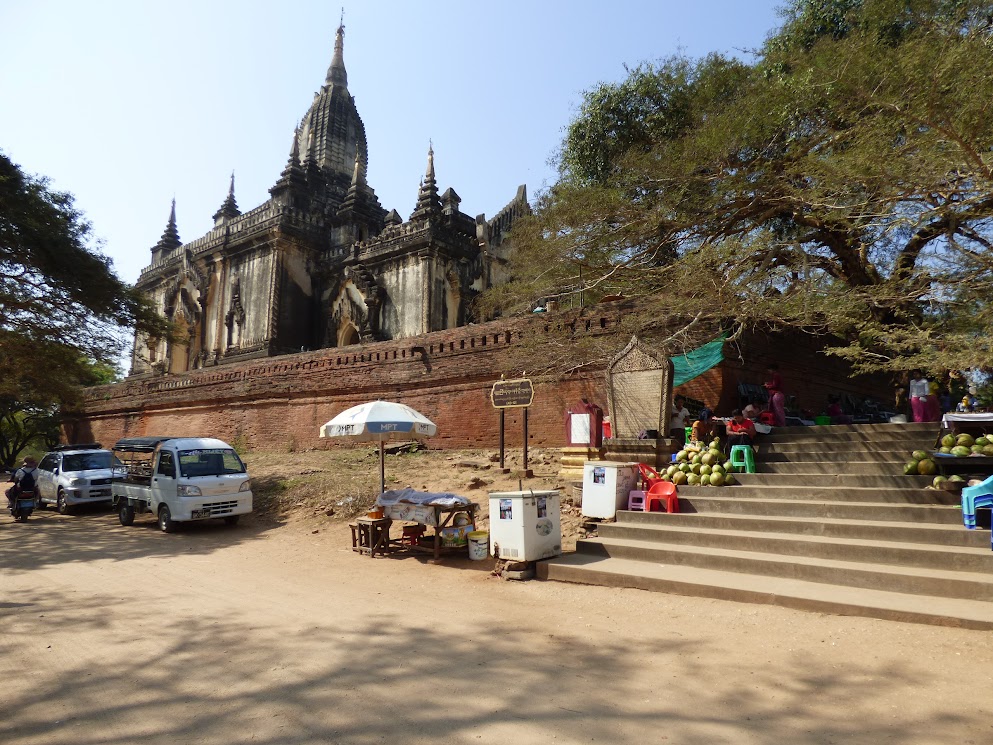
(61,505)
(166,525)
(232,519)
(125,513)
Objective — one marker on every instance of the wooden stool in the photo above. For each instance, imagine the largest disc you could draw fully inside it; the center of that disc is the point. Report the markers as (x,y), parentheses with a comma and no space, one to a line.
(371,536)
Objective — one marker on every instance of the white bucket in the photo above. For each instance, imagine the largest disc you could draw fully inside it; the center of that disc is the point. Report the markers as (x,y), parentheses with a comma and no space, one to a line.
(479,545)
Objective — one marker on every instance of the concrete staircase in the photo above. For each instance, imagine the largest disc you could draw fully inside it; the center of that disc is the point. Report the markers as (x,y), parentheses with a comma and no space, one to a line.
(829,524)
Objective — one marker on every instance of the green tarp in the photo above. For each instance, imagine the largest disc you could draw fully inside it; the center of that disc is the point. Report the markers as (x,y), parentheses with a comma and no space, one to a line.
(697,362)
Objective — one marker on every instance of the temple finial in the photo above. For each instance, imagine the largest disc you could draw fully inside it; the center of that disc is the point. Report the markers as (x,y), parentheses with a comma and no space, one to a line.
(336,73)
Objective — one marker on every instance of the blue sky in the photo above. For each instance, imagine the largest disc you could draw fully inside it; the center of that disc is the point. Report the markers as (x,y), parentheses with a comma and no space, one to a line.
(129,103)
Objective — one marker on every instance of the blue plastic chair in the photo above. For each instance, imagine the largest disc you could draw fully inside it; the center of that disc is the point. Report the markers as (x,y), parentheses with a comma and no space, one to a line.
(746,459)
(980,495)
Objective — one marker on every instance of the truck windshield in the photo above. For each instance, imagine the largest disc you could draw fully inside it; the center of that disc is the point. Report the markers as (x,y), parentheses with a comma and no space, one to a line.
(209,462)
(89,461)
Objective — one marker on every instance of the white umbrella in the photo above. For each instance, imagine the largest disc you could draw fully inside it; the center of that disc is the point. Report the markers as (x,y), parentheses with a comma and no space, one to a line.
(380,421)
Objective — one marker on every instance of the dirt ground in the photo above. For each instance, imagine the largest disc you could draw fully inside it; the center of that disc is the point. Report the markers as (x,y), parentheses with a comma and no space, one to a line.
(276,632)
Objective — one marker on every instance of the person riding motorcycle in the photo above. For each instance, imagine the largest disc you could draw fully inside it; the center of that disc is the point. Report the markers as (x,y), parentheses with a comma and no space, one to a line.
(21,481)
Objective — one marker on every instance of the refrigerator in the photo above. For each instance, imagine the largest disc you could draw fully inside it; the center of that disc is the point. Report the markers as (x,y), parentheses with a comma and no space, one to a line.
(606,485)
(525,525)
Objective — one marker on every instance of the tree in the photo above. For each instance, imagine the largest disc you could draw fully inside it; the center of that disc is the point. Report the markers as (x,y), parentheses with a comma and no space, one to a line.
(62,308)
(842,183)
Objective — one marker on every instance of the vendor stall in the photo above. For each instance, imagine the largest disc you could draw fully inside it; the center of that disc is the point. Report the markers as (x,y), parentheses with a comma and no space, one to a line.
(451,516)
(962,447)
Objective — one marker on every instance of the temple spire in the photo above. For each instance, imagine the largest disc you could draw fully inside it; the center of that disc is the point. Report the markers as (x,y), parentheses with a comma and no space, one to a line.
(428,202)
(293,174)
(170,236)
(336,73)
(229,208)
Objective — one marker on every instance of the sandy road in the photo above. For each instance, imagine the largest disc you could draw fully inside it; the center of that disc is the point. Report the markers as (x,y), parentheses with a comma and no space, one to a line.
(274,634)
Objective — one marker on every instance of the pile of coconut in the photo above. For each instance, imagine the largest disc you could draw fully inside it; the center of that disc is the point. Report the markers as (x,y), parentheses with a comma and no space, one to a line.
(699,464)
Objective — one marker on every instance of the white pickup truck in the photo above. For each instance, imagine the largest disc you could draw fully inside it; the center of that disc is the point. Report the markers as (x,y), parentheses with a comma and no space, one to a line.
(180,479)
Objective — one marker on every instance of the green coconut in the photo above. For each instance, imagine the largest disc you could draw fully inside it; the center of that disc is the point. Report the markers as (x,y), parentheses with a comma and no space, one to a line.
(682,456)
(988,450)
(685,467)
(938,480)
(693,479)
(708,459)
(728,467)
(717,479)
(671,470)
(983,441)
(704,469)
(961,451)
(729,479)
(910,468)
(919,455)
(945,450)
(956,477)
(927,467)
(695,468)
(696,460)
(679,478)
(718,469)
(715,443)
(965,439)
(978,449)
(948,441)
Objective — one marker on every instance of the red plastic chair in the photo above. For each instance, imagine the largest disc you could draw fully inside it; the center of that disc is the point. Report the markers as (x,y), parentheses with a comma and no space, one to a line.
(649,476)
(664,492)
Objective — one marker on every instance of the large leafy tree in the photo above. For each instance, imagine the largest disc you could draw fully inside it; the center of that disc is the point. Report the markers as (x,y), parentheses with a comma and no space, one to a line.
(63,311)
(842,183)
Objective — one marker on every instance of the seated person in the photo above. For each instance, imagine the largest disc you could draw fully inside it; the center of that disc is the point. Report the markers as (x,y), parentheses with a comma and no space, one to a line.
(751,411)
(703,427)
(741,430)
(834,411)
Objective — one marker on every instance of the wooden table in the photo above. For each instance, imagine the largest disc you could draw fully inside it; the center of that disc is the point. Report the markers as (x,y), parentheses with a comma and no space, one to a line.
(441,518)
(371,536)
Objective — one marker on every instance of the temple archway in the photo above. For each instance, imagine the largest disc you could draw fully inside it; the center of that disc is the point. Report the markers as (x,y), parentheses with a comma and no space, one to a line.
(348,335)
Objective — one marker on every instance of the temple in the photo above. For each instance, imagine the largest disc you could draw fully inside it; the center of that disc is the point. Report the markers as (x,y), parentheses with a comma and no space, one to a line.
(321,263)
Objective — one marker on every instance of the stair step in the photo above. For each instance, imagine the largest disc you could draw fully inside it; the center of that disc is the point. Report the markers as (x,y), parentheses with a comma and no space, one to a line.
(829,493)
(834,479)
(877,430)
(896,458)
(848,447)
(810,545)
(911,513)
(856,467)
(924,438)
(785,592)
(920,580)
(936,534)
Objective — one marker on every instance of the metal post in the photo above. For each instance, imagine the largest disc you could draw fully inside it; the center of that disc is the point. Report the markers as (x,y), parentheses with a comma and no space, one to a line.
(382,468)
(502,421)
(527,471)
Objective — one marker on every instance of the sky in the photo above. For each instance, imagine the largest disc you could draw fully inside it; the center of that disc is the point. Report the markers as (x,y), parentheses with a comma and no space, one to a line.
(131,103)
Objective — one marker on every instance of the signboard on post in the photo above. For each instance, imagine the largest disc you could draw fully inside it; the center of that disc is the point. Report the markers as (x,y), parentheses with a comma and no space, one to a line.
(511,394)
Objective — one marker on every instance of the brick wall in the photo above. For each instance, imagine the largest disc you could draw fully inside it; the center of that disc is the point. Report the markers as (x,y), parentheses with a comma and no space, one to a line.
(281,402)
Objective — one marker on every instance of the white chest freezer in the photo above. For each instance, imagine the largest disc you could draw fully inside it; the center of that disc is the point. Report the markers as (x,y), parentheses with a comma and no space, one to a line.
(606,486)
(525,525)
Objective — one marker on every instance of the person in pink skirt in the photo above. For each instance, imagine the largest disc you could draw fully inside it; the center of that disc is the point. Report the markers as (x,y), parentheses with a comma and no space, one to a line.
(777,399)
(919,392)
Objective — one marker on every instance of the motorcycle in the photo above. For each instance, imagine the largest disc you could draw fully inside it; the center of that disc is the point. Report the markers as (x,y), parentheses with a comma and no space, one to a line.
(22,506)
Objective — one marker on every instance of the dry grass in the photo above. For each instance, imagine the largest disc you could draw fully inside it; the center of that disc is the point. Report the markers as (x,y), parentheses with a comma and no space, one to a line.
(343,482)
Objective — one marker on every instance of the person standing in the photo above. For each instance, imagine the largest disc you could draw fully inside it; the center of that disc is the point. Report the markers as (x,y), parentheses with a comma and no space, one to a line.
(679,420)
(919,392)
(777,398)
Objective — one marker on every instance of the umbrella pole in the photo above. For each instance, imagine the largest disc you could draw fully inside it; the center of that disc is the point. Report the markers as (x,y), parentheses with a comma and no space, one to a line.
(382,469)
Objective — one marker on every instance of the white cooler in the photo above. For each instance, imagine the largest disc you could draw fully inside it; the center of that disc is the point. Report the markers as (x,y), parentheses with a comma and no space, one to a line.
(606,485)
(525,525)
